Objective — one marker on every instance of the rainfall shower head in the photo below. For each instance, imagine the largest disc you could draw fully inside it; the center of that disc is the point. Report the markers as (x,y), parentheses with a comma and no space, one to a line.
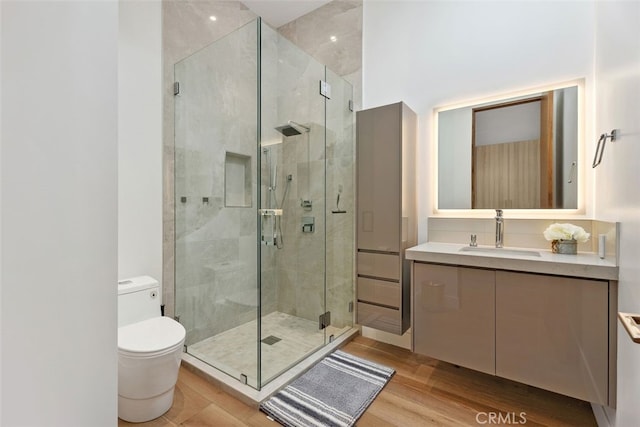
(292,128)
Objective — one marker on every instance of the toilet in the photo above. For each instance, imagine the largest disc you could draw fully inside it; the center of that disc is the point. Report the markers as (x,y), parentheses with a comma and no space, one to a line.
(149,351)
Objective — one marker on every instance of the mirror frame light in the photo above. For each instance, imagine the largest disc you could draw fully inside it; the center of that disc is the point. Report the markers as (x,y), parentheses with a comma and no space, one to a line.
(579,212)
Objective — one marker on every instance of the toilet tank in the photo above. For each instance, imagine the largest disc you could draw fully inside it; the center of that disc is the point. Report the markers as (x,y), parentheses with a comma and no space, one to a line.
(138,299)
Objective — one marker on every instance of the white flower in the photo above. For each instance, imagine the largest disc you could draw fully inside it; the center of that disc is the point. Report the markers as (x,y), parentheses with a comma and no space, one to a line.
(566,232)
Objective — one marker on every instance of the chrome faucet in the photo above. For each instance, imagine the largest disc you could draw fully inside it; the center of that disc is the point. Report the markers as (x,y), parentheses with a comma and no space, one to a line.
(499,229)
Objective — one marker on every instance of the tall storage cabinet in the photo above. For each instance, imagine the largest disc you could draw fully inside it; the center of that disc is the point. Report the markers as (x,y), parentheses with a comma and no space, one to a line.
(387,215)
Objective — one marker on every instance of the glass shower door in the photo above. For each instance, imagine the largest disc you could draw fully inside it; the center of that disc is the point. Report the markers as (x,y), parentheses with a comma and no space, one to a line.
(340,184)
(292,203)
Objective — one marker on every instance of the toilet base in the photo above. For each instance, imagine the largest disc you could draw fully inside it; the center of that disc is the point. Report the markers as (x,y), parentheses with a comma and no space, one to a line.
(142,410)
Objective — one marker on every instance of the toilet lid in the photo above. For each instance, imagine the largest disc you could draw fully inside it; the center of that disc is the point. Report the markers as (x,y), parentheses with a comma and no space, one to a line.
(150,335)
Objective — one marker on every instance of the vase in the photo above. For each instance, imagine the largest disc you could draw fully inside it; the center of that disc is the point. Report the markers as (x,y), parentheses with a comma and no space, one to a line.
(567,247)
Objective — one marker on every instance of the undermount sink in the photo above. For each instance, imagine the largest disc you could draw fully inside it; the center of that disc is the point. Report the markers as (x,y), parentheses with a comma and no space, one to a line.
(500,251)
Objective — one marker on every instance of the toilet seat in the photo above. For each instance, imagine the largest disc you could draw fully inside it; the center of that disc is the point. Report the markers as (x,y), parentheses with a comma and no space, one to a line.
(150,338)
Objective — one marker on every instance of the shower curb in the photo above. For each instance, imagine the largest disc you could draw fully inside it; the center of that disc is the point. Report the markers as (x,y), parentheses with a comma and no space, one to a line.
(248,394)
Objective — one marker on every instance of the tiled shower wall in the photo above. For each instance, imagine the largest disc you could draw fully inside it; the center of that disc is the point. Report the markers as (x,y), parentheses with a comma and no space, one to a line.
(186,29)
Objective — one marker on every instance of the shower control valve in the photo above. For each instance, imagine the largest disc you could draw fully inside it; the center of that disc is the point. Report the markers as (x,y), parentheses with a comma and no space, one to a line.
(308,224)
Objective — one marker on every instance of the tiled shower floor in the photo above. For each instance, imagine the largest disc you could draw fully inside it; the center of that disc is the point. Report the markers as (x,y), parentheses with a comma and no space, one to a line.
(235,351)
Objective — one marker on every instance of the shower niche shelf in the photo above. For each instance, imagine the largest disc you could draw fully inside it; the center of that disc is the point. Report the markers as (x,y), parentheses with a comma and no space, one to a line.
(237,180)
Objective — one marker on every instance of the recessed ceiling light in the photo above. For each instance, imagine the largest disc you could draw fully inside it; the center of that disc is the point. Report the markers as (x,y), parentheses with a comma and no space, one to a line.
(333,38)
(213,18)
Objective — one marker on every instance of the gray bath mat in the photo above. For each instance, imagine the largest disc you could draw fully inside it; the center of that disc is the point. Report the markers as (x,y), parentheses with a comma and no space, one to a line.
(335,392)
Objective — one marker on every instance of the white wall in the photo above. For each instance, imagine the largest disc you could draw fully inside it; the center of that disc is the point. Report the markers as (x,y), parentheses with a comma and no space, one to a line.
(140,139)
(59,215)
(435,53)
(618,176)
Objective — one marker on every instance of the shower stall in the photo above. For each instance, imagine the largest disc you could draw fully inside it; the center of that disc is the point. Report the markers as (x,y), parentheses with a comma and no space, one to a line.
(264,204)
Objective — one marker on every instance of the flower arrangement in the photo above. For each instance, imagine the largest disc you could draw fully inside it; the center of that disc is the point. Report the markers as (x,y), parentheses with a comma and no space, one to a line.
(564,238)
(566,232)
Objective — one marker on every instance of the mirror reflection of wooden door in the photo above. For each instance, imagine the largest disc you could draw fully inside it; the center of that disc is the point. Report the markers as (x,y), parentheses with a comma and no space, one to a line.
(512,154)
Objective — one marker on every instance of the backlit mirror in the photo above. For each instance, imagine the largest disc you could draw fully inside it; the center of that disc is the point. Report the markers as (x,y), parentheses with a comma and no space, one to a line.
(511,153)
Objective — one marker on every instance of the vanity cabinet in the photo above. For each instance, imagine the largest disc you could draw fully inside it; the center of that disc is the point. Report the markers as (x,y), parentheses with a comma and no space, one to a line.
(550,332)
(454,315)
(386,215)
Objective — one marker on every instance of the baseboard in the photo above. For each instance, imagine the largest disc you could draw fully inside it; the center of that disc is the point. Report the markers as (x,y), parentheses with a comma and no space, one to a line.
(602,418)
(403,341)
(249,395)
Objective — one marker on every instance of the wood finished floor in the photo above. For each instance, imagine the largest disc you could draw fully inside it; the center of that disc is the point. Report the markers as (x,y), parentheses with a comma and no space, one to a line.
(423,392)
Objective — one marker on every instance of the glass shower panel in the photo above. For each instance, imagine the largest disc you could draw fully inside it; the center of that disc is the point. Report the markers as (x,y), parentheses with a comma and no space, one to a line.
(216,197)
(292,202)
(340,161)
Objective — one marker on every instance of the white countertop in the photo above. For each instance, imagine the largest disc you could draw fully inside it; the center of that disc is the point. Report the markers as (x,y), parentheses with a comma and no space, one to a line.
(584,264)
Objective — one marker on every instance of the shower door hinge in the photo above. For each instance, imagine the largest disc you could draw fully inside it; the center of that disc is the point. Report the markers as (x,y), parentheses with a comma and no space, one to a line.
(176,88)
(325,89)
(351,105)
(350,306)
(324,320)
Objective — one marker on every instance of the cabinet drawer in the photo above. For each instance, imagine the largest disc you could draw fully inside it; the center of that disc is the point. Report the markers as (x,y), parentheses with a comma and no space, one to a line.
(379,265)
(379,292)
(381,318)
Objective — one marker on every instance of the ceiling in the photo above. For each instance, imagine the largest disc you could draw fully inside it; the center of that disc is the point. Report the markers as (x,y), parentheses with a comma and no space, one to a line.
(279,12)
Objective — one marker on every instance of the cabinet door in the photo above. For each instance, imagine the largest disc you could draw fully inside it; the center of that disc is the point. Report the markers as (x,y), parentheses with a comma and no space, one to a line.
(379,178)
(454,316)
(551,332)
